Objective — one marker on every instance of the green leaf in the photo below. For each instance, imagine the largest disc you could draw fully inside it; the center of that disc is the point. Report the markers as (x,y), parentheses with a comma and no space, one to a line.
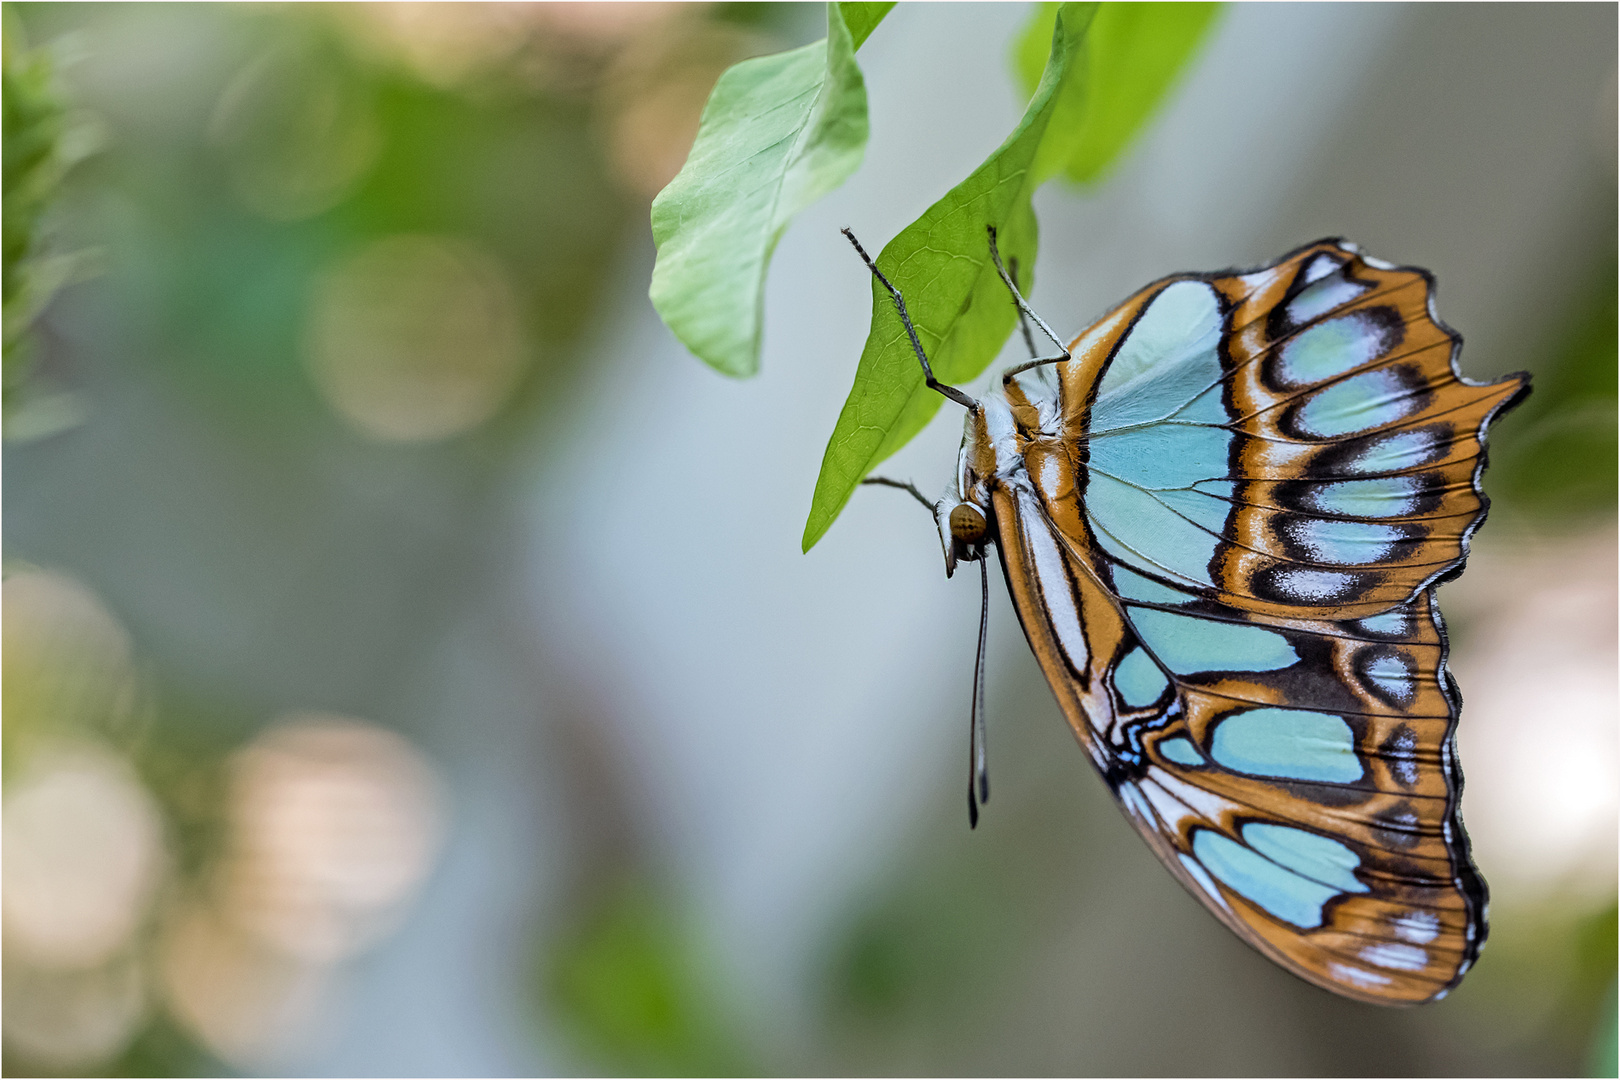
(1133,55)
(863,18)
(778,132)
(941,263)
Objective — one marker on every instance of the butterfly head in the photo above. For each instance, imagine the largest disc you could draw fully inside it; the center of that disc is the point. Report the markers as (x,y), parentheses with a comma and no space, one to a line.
(968,526)
(963,513)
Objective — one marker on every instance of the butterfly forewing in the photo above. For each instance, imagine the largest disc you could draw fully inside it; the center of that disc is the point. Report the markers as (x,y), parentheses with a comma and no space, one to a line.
(1291,439)
(1232,505)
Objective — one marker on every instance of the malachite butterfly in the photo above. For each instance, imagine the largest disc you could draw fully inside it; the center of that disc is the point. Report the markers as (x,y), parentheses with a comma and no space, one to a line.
(1222,513)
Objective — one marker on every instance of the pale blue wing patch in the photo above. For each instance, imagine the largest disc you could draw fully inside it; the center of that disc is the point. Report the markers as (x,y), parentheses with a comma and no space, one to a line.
(1202,509)
(1395,956)
(1373,399)
(1396,452)
(1221,489)
(1391,674)
(1381,496)
(1335,347)
(1357,977)
(1142,531)
(1343,543)
(1051,575)
(1290,744)
(1168,358)
(1328,291)
(1133,586)
(1124,555)
(1309,854)
(1308,586)
(1205,882)
(1396,622)
(1188,645)
(1400,755)
(1288,872)
(1181,751)
(1131,797)
(1418,927)
(1286,895)
(1138,680)
(1207,408)
(1321,265)
(1161,456)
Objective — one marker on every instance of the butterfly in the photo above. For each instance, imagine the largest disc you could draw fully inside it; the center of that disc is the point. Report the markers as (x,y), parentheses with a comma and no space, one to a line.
(1222,513)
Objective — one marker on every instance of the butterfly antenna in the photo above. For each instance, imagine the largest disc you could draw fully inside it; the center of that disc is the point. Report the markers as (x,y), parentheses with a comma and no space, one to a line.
(1024,310)
(979,767)
(905,317)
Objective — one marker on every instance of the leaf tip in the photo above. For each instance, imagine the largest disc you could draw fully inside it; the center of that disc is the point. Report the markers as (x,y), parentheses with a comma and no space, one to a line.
(814,530)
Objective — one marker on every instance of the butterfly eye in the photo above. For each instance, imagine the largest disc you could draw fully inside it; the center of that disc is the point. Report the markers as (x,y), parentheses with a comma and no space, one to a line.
(967,524)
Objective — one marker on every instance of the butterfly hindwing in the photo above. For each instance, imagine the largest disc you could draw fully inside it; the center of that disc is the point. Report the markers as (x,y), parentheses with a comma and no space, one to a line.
(1297,778)
(1324,755)
(1231,508)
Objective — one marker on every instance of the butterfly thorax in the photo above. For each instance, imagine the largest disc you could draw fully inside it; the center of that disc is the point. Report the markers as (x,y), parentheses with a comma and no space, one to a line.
(1023,427)
(990,453)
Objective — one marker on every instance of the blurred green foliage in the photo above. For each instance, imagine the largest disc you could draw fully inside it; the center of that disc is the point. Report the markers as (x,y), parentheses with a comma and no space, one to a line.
(1536,999)
(1555,456)
(920,953)
(1134,55)
(161,1048)
(1599,957)
(515,171)
(1605,1055)
(42,141)
(630,988)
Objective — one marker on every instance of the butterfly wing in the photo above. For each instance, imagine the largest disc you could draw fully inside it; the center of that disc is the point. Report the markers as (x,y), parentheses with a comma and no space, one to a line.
(1226,580)
(1292,440)
(1298,777)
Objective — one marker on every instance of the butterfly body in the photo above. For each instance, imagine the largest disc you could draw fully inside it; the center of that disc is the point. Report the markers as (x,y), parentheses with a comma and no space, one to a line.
(1221,522)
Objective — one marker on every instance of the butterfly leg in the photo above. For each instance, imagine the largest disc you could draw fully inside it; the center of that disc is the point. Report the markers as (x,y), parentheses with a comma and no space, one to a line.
(905,317)
(1023,321)
(903,485)
(1024,310)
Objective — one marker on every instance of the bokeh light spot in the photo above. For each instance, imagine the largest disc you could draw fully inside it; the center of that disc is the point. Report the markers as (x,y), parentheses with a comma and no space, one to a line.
(67,660)
(73,1020)
(83,853)
(1540,732)
(334,822)
(297,131)
(416,339)
(251,1005)
(653,96)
